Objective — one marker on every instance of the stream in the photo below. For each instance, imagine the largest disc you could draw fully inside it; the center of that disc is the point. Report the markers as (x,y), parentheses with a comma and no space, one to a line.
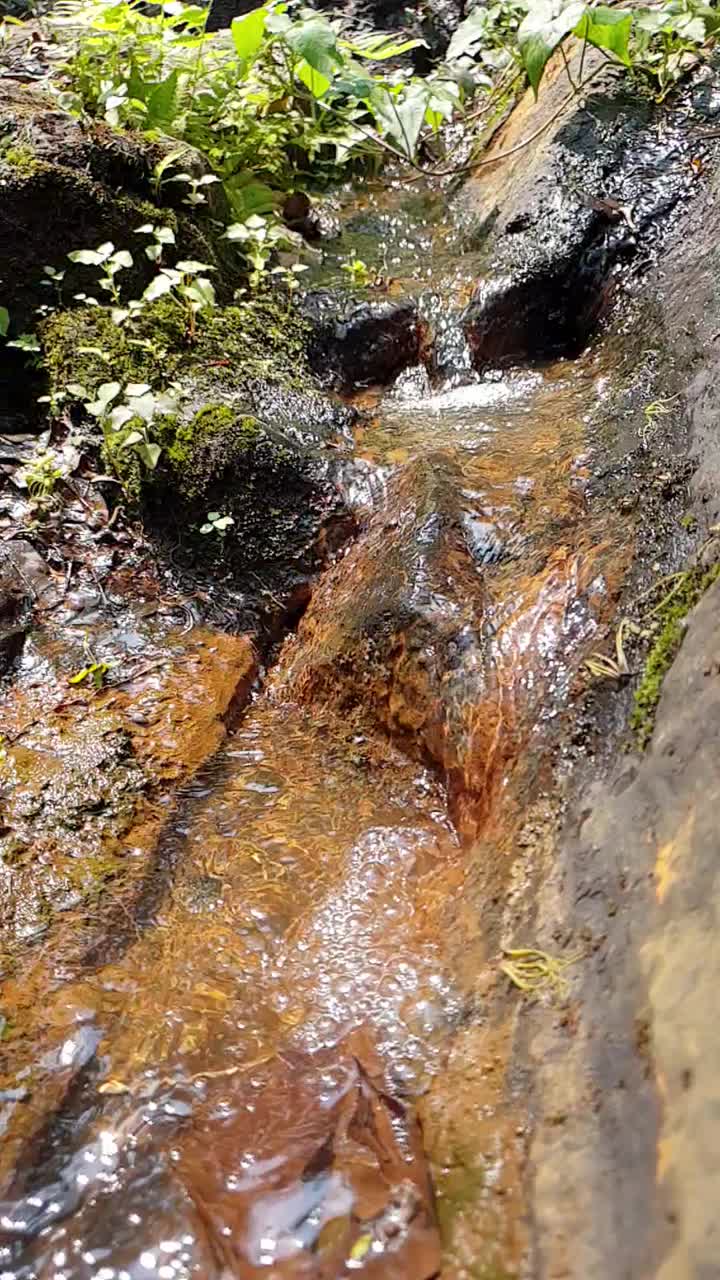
(247,1069)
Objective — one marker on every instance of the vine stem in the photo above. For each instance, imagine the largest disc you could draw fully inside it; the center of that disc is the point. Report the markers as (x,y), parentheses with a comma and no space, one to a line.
(490,160)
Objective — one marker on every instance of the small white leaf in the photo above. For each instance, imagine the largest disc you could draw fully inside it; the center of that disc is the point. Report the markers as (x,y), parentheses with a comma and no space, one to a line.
(161,285)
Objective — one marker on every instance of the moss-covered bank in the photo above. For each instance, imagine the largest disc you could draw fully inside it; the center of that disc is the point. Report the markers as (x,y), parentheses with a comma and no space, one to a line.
(670,619)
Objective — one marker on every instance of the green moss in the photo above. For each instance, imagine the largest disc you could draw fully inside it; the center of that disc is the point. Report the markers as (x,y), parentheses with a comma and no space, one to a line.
(256,341)
(21,158)
(670,615)
(200,451)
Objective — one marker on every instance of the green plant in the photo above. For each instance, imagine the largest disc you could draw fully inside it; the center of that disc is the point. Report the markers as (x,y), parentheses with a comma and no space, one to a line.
(488,36)
(126,415)
(260,239)
(4,322)
(195,193)
(28,343)
(95,670)
(668,38)
(41,476)
(217,523)
(291,97)
(53,279)
(652,42)
(111,262)
(161,238)
(358,271)
(188,284)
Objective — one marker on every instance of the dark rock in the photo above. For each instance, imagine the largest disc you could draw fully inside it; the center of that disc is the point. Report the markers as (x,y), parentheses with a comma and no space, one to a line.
(357,343)
(308,218)
(554,219)
(24,577)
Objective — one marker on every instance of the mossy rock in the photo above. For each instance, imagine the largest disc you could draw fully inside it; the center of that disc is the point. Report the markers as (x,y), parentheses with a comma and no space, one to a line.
(670,618)
(223,460)
(235,347)
(248,438)
(67,185)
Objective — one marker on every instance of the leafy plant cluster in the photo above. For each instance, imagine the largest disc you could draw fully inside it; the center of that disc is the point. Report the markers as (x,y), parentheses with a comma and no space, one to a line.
(655,42)
(283,100)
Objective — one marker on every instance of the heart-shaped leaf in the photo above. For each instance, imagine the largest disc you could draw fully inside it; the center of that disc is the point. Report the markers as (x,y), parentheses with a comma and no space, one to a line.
(316,42)
(607,29)
(247,33)
(542,29)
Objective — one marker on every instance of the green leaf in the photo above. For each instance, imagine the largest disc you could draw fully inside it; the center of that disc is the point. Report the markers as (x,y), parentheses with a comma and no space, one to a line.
(142,407)
(315,81)
(162,103)
(247,33)
(356,84)
(150,454)
(161,285)
(26,342)
(133,437)
(607,29)
(200,292)
(402,118)
(4,322)
(691,27)
(546,24)
(108,391)
(247,196)
(378,47)
(469,34)
(87,257)
(167,162)
(316,42)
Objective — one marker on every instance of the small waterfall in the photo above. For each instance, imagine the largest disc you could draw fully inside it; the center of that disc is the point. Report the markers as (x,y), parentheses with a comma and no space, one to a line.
(452,362)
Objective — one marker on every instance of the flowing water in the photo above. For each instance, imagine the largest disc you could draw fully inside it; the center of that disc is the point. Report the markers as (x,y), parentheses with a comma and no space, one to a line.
(242,1079)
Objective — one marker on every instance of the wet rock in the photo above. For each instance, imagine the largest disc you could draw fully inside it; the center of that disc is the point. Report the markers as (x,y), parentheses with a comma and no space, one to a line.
(357,343)
(15,608)
(555,218)
(272,481)
(394,631)
(24,580)
(311,219)
(88,781)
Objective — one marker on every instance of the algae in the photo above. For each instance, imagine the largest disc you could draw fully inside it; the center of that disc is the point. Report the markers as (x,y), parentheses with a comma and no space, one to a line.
(670,617)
